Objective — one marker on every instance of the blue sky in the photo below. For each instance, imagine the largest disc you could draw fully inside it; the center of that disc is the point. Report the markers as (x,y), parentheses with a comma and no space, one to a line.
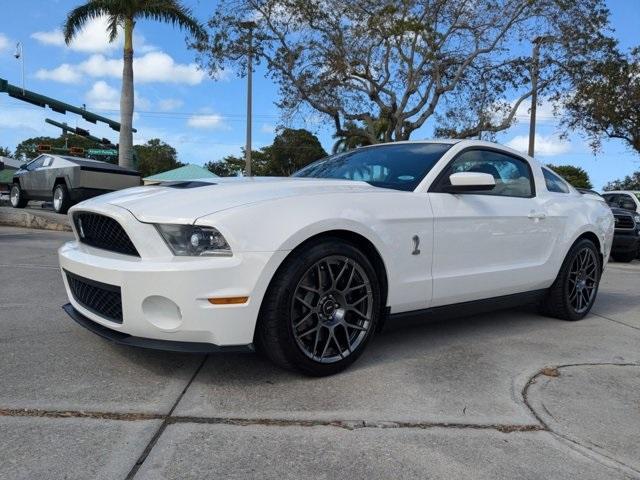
(202,117)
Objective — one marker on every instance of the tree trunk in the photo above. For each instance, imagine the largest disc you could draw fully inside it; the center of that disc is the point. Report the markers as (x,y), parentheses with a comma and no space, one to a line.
(125,154)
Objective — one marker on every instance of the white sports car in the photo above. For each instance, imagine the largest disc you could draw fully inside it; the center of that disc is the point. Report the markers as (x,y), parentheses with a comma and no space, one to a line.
(308,268)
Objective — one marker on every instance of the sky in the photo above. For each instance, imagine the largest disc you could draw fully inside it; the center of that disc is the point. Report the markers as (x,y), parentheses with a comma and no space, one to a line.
(205,118)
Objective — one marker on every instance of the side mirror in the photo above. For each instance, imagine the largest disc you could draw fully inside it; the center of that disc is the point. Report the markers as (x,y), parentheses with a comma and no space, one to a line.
(470,182)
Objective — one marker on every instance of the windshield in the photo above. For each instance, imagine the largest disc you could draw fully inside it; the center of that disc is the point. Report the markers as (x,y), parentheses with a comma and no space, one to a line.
(401,166)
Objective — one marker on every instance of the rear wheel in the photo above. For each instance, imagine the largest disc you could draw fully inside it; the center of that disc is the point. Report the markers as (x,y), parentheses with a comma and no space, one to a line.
(321,309)
(17,197)
(573,293)
(61,199)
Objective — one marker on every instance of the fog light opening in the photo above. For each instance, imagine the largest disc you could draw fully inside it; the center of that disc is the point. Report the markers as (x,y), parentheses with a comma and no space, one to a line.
(162,312)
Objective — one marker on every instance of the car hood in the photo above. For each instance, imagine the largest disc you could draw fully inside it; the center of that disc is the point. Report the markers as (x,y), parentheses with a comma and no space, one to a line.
(185,202)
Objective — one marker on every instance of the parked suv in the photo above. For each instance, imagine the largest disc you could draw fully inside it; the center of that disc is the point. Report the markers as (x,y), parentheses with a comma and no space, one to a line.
(626,236)
(625,199)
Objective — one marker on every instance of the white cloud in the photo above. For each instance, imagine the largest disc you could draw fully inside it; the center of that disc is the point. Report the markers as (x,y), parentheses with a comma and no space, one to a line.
(4,42)
(544,145)
(65,73)
(21,118)
(152,67)
(102,96)
(92,38)
(160,67)
(169,104)
(205,121)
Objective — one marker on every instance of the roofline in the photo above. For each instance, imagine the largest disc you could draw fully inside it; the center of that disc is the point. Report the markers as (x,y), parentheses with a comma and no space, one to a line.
(455,141)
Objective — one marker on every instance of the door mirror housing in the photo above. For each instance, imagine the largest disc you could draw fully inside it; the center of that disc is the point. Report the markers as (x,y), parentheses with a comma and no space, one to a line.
(470,182)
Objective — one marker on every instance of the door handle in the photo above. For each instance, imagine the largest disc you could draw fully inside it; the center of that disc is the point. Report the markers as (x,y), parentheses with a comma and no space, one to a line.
(537,215)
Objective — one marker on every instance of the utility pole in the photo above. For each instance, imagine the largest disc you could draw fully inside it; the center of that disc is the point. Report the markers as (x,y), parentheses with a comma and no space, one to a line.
(535,59)
(20,56)
(247,152)
(535,68)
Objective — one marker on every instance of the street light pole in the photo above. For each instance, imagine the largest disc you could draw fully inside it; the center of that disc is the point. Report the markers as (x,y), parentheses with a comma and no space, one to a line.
(247,153)
(20,56)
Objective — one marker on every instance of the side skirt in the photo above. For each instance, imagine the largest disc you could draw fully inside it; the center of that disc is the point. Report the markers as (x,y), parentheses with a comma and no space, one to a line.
(464,309)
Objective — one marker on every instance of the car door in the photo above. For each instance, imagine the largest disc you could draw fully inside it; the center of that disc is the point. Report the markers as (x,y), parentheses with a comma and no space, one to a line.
(28,181)
(42,184)
(489,243)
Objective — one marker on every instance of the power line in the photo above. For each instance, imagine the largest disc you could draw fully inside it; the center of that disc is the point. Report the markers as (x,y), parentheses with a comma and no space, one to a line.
(151,113)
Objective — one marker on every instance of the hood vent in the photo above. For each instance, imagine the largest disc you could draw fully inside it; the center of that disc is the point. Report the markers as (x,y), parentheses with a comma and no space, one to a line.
(185,185)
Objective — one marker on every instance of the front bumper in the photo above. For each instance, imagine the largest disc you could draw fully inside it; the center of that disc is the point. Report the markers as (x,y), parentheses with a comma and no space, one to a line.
(166,345)
(626,241)
(166,298)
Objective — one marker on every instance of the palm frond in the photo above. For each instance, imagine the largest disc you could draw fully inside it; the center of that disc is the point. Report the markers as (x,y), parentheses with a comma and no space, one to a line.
(112,27)
(79,16)
(171,12)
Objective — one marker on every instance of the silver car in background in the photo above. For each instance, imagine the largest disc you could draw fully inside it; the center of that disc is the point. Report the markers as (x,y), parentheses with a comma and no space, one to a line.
(67,180)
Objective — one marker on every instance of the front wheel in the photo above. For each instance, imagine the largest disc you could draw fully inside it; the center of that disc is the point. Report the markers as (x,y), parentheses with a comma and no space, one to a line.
(17,197)
(61,198)
(321,309)
(573,293)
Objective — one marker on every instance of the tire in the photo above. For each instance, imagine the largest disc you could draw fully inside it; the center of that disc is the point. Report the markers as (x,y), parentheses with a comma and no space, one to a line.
(17,196)
(575,289)
(61,199)
(321,309)
(624,257)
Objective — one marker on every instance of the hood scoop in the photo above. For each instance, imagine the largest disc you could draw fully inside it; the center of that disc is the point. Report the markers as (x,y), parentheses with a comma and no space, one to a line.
(182,185)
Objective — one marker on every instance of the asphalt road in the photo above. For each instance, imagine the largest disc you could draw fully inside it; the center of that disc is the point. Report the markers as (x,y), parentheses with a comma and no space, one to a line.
(505,395)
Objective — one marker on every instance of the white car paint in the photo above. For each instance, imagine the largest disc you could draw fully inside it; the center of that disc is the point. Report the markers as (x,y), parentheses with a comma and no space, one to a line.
(471,246)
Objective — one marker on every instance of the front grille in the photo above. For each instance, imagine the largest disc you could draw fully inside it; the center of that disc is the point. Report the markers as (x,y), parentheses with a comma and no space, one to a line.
(103,232)
(100,298)
(624,221)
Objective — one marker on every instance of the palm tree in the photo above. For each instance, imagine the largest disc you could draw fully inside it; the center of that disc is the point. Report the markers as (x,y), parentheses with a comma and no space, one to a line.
(125,13)
(355,136)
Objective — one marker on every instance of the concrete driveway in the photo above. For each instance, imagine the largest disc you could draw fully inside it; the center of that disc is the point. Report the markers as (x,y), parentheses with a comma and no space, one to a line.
(503,395)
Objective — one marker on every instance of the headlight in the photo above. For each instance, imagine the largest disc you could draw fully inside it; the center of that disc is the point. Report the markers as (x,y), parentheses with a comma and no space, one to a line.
(192,240)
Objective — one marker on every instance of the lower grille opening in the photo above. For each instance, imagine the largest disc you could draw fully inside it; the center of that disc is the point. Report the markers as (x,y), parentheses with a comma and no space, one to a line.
(100,298)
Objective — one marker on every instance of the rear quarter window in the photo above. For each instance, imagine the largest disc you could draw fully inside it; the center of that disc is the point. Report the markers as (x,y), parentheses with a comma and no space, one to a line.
(554,183)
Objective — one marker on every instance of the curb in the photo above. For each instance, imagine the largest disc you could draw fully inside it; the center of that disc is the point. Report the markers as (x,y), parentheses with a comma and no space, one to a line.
(26,219)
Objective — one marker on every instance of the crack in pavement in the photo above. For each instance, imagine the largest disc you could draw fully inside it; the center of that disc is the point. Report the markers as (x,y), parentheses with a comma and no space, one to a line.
(597,456)
(163,425)
(170,419)
(615,321)
(240,421)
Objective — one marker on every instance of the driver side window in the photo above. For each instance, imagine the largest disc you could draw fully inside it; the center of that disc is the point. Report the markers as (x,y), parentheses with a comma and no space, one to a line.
(37,163)
(512,175)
